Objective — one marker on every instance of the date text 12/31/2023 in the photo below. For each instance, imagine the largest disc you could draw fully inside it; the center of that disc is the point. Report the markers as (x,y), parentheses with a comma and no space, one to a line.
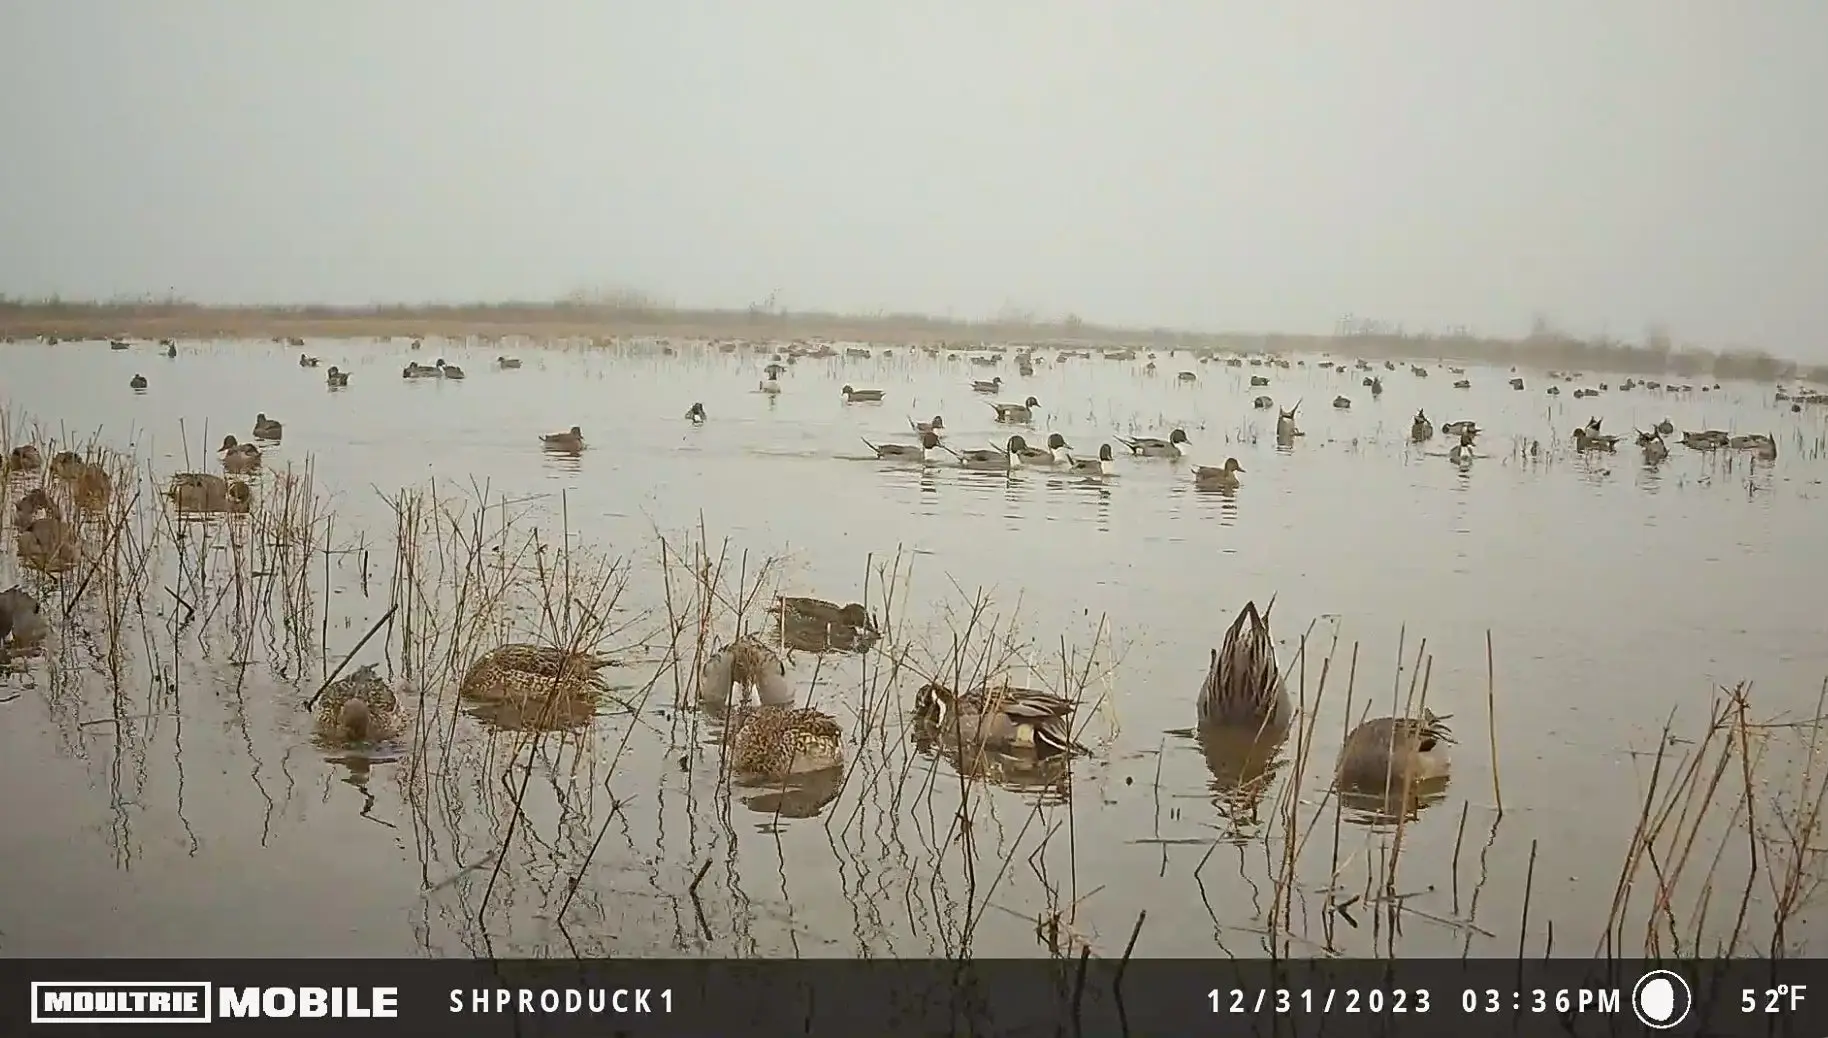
(1396,1001)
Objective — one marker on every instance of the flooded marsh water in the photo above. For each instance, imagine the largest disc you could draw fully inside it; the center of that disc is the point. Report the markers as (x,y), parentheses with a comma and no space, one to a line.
(1561,606)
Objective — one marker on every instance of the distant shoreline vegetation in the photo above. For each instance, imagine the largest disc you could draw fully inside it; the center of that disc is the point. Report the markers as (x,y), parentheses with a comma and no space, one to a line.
(634,314)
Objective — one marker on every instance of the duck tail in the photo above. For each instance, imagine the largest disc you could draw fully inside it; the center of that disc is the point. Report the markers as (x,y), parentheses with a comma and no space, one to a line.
(952,452)
(1127,442)
(873,448)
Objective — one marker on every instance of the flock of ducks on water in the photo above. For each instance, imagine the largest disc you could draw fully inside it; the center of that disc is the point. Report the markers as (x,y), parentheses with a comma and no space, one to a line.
(1589,438)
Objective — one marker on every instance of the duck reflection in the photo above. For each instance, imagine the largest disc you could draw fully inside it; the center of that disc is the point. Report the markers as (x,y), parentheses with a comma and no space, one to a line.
(796,796)
(1047,776)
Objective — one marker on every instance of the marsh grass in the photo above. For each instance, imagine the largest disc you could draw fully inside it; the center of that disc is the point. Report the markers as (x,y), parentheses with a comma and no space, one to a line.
(939,850)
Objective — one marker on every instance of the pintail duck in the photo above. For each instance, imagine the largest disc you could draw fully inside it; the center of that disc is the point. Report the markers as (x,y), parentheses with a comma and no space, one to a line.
(1022,454)
(1462,453)
(984,458)
(48,544)
(1762,445)
(1016,413)
(1666,427)
(905,451)
(91,486)
(306,362)
(267,428)
(171,348)
(1463,383)
(1460,428)
(447,370)
(137,382)
(414,369)
(770,386)
(1243,685)
(815,625)
(205,493)
(31,504)
(1103,465)
(1707,440)
(862,396)
(1655,450)
(571,441)
(21,615)
(1211,478)
(239,458)
(1585,439)
(1000,718)
(338,378)
(1149,447)
(507,362)
(1285,425)
(774,739)
(1342,402)
(992,385)
(67,465)
(1375,385)
(24,458)
(937,426)
(520,673)
(1263,403)
(1187,376)
(1259,380)
(696,413)
(359,708)
(1516,383)
(1394,752)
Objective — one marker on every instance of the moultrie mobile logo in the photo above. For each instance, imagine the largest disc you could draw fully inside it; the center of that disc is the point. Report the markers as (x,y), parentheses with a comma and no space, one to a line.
(120,1002)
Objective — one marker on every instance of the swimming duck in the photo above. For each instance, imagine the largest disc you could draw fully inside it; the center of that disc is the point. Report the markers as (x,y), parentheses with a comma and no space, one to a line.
(1103,465)
(774,371)
(1376,385)
(1285,425)
(507,362)
(47,544)
(937,426)
(414,369)
(815,625)
(770,386)
(24,458)
(1585,439)
(1464,383)
(22,616)
(91,487)
(862,396)
(1462,453)
(1022,454)
(571,441)
(306,362)
(1259,380)
(205,493)
(987,385)
(1394,752)
(1460,428)
(985,458)
(1263,403)
(137,382)
(1708,440)
(1342,402)
(1761,445)
(1517,383)
(1021,412)
(1655,450)
(1666,427)
(338,378)
(31,504)
(1243,684)
(696,413)
(1000,718)
(774,739)
(171,348)
(905,451)
(1150,447)
(359,708)
(239,458)
(66,465)
(1187,376)
(1212,478)
(520,672)
(267,428)
(447,370)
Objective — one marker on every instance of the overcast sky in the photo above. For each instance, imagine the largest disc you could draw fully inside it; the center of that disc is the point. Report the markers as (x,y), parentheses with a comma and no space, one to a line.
(1198,163)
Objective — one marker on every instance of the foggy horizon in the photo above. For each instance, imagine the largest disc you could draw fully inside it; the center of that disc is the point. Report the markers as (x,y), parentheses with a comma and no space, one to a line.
(1202,167)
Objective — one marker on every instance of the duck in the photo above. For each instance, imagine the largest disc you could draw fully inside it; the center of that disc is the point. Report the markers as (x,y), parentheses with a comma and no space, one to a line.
(1460,428)
(770,386)
(1707,440)
(206,493)
(696,413)
(171,348)
(1187,376)
(1218,478)
(990,385)
(1285,425)
(937,426)
(1763,446)
(862,396)
(1462,453)
(1376,385)
(1259,380)
(66,465)
(815,625)
(1016,413)
(1655,450)
(306,362)
(447,370)
(774,371)
(1585,439)
(1103,465)
(48,543)
(91,486)
(337,378)
(137,382)
(24,458)
(571,441)
(905,451)
(1394,752)
(1000,718)
(1464,383)
(1517,383)
(23,617)
(1174,446)
(507,363)
(414,369)
(31,504)
(984,458)
(818,610)
(1022,454)
(1243,683)
(1263,403)
(267,428)
(1666,427)
(520,672)
(1342,402)
(775,738)
(360,708)
(238,458)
